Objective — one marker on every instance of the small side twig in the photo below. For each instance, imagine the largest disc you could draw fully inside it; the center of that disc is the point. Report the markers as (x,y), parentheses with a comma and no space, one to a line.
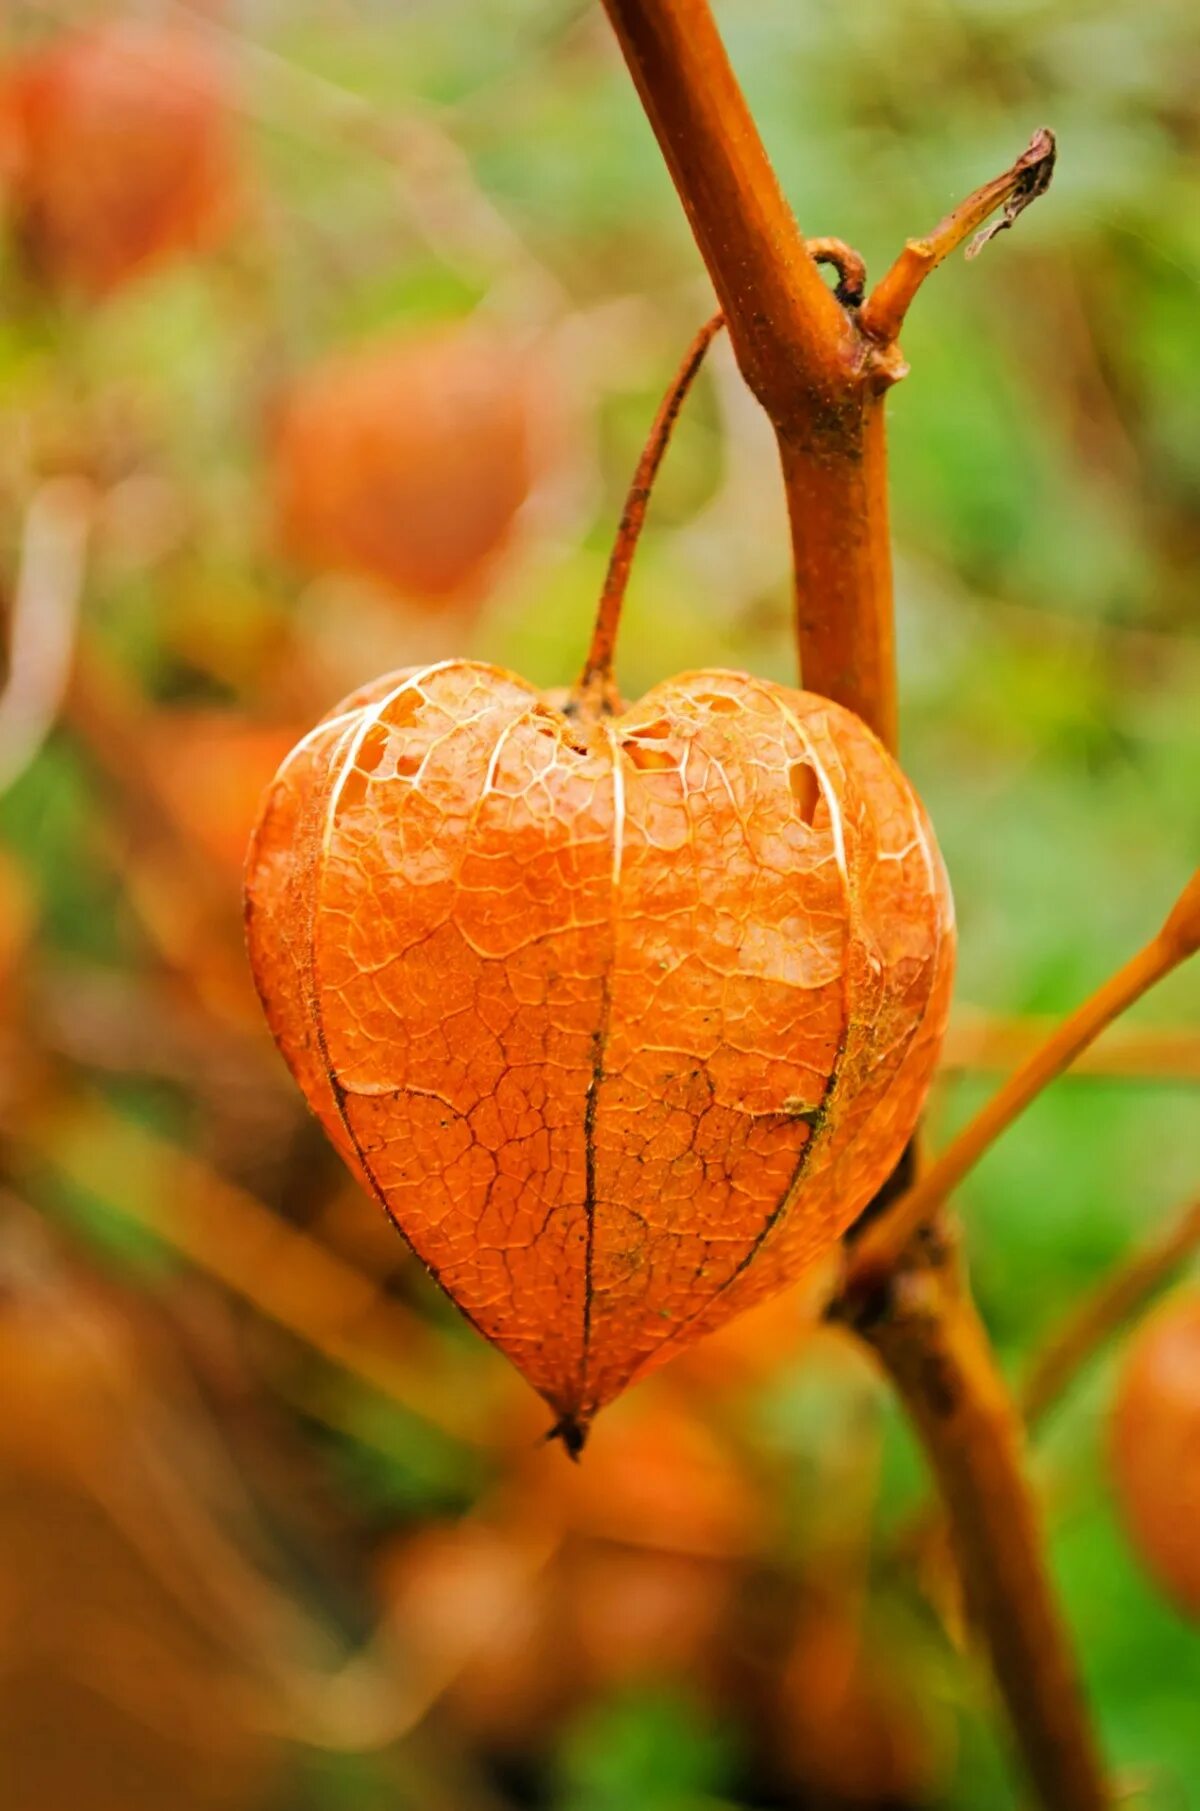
(849,264)
(883,1242)
(883,314)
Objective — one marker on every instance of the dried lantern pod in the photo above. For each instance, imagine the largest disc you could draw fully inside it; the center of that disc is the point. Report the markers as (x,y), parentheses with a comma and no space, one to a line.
(622,1014)
(120,152)
(408,462)
(1155,1446)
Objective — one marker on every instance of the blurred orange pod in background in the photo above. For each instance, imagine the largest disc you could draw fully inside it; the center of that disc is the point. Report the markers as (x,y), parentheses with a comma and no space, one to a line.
(1155,1447)
(119,152)
(849,1722)
(409,461)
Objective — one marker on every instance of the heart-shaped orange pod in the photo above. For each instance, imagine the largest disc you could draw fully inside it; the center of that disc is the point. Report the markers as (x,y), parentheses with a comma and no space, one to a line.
(623,1015)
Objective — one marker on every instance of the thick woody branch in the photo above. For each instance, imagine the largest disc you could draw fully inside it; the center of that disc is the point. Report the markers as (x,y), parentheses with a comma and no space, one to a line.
(798,346)
(791,336)
(841,553)
(925,1331)
(822,380)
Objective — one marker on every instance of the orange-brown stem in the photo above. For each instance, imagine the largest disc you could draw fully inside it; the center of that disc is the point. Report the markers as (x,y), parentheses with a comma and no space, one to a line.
(818,364)
(596,681)
(884,1241)
(820,379)
(770,290)
(837,502)
(797,344)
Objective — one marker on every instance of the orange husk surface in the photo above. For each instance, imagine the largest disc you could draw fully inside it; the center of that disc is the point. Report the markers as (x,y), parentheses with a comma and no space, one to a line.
(1155,1447)
(120,152)
(622,1019)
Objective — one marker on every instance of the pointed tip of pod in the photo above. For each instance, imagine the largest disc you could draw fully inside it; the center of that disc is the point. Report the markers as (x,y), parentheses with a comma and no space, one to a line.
(572,1431)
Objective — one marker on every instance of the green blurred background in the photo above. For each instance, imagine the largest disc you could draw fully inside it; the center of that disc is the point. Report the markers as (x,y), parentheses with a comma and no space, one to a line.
(277,1532)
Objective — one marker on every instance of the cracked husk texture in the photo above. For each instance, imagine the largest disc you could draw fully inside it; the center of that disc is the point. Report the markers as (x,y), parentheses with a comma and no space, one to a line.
(623,1020)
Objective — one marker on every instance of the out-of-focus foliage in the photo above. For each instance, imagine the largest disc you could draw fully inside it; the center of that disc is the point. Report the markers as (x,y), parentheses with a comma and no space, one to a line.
(277,1528)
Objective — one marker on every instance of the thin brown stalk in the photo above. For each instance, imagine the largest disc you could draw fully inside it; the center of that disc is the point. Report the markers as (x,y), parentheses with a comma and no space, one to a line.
(596,686)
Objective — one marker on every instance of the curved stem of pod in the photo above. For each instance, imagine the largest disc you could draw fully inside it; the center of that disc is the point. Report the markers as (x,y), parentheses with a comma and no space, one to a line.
(596,687)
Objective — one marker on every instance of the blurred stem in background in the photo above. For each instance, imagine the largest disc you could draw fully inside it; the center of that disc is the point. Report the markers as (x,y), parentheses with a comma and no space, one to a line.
(43,619)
